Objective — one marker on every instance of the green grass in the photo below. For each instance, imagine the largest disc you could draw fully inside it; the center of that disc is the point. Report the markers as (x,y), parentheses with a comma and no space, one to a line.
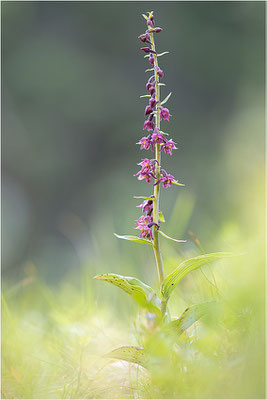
(54,339)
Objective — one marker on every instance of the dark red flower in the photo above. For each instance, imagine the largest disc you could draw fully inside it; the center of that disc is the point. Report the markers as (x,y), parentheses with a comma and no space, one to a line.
(158,138)
(152,101)
(166,180)
(151,59)
(165,114)
(147,206)
(168,146)
(160,73)
(149,125)
(145,143)
(148,50)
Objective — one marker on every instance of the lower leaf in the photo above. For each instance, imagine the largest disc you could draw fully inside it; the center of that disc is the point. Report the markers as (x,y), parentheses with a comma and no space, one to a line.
(132,354)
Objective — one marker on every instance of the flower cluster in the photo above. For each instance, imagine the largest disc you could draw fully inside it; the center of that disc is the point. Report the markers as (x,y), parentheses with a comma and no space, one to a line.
(156,139)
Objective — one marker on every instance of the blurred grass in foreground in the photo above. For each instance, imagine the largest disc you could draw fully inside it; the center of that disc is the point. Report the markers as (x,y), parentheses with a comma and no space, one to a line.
(53,339)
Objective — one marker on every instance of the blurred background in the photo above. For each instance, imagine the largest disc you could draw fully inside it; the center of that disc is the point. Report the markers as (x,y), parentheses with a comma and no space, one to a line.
(72,74)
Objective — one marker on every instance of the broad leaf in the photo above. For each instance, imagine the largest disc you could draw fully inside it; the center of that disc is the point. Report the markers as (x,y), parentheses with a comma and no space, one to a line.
(168,237)
(189,317)
(185,267)
(132,238)
(166,99)
(132,354)
(142,293)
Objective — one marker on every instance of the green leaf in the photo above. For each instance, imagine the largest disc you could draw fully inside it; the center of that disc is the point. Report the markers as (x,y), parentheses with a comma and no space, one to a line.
(144,197)
(143,294)
(161,84)
(164,133)
(189,317)
(132,354)
(166,98)
(161,217)
(133,238)
(162,54)
(178,183)
(145,95)
(149,70)
(168,237)
(185,267)
(144,16)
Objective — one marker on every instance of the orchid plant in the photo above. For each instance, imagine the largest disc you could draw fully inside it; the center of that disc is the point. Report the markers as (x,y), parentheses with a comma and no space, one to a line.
(149,223)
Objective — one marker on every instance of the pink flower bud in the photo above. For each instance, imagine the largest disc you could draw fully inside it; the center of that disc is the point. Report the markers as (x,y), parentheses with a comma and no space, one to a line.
(148,110)
(152,101)
(160,73)
(151,59)
(152,90)
(148,50)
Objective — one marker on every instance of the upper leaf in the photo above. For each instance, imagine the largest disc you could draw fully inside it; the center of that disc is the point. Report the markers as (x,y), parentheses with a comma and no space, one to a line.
(185,267)
(142,293)
(168,237)
(133,238)
(162,54)
(166,98)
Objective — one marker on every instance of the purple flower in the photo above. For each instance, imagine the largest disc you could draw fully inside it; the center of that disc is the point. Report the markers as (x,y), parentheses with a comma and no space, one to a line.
(147,206)
(166,180)
(160,73)
(155,30)
(146,232)
(147,165)
(148,110)
(152,90)
(151,59)
(150,83)
(148,50)
(149,125)
(158,138)
(168,146)
(165,114)
(145,143)
(144,219)
(144,38)
(147,170)
(152,101)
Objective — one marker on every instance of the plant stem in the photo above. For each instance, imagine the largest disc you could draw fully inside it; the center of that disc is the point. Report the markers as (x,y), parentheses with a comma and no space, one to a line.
(156,245)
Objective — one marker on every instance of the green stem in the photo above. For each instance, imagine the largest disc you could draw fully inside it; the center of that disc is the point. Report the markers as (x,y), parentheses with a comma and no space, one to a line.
(156,245)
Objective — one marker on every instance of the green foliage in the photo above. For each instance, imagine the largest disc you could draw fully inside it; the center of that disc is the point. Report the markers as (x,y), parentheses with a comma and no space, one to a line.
(133,238)
(189,317)
(163,54)
(166,99)
(168,237)
(142,293)
(161,217)
(185,268)
(132,354)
